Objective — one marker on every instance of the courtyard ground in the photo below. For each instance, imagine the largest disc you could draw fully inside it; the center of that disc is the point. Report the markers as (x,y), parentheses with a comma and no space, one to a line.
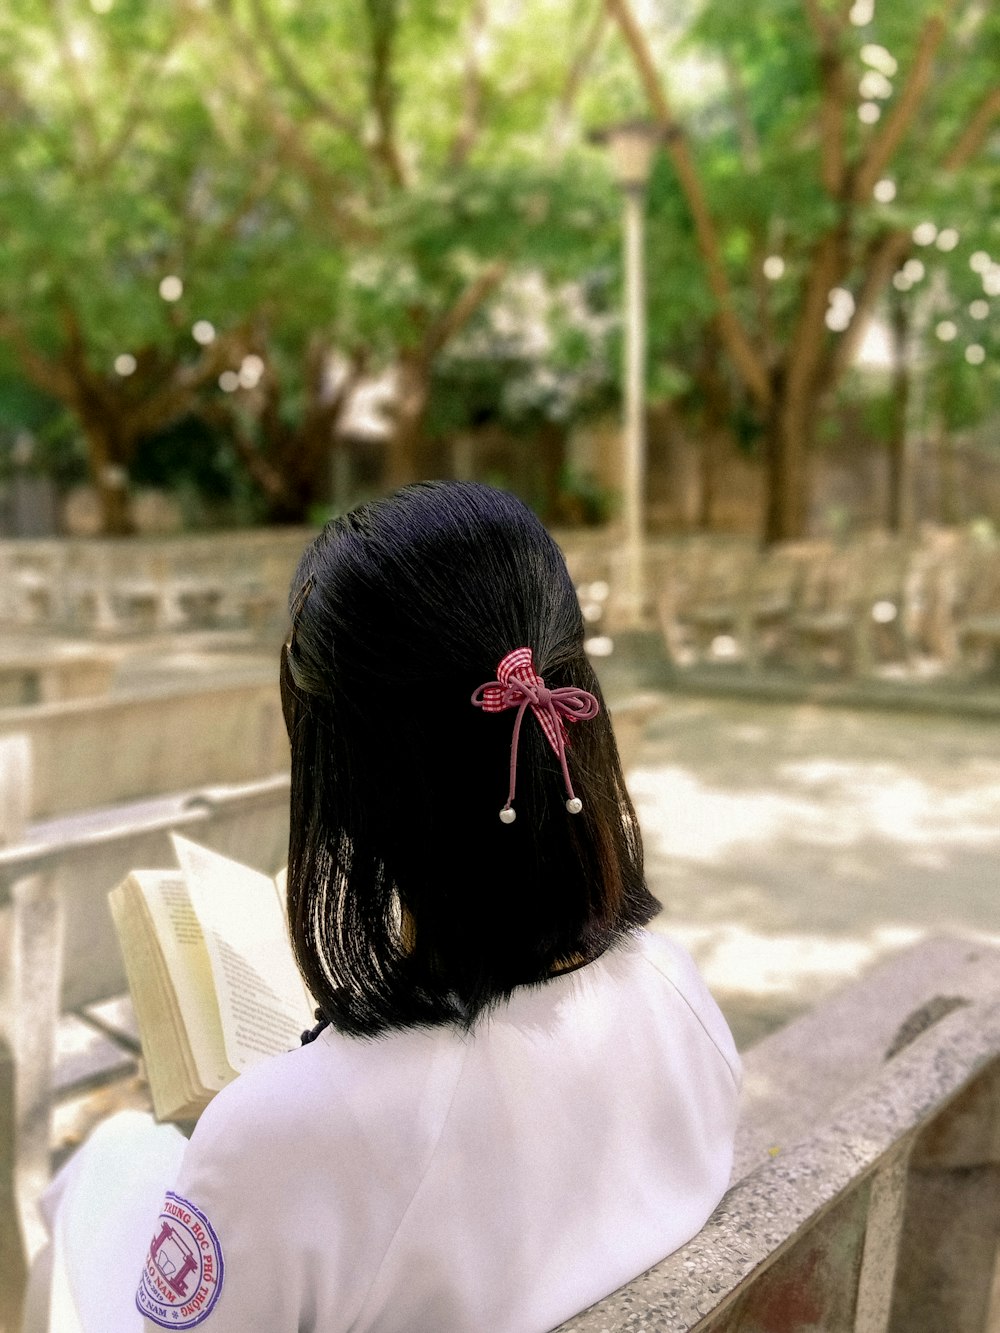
(792,845)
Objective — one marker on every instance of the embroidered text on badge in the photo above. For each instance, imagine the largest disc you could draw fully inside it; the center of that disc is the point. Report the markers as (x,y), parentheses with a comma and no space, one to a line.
(182,1278)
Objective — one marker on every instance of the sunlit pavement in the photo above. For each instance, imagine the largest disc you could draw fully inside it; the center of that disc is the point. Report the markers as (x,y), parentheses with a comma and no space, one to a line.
(792,845)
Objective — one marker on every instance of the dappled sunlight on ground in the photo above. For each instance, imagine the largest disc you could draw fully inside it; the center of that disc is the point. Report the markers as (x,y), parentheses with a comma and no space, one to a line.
(681,817)
(846,803)
(792,846)
(736,958)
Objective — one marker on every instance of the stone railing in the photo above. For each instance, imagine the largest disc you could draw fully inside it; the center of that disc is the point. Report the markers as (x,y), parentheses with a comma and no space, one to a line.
(916,608)
(884,1220)
(72,586)
(930,603)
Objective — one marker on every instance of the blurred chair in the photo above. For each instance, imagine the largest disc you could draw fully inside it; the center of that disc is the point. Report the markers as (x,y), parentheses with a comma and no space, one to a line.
(829,625)
(703,598)
(771,598)
(975,610)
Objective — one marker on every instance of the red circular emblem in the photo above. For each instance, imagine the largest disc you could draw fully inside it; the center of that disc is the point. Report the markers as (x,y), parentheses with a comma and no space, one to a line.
(182,1277)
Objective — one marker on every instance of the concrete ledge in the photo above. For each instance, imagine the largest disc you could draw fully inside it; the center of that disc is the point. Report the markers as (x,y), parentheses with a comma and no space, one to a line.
(765,1216)
(794,1076)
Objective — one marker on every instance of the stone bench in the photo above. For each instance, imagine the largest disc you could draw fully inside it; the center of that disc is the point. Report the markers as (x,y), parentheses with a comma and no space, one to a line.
(866,1194)
(15,786)
(96,752)
(59,953)
(53,674)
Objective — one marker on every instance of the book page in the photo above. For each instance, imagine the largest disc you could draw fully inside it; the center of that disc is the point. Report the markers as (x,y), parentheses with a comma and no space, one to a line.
(262,1001)
(185,954)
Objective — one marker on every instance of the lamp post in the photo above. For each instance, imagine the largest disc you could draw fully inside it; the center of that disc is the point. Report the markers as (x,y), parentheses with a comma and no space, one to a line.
(632,145)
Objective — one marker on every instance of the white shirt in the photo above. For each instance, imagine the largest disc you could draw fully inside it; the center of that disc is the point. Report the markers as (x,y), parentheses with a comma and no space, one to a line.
(430,1182)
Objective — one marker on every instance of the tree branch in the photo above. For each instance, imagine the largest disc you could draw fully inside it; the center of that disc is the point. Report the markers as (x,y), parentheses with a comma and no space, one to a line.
(472,86)
(330,188)
(738,344)
(751,158)
(270,479)
(562,113)
(16,106)
(887,252)
(383,22)
(970,140)
(323,409)
(87,118)
(177,396)
(806,344)
(904,109)
(268,173)
(46,373)
(454,319)
(133,112)
(292,73)
(833,101)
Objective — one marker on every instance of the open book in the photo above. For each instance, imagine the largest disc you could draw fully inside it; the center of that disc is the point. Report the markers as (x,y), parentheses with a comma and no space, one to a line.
(210,968)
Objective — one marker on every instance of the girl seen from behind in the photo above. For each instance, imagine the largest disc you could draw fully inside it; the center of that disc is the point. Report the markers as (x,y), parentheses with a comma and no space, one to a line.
(517,1097)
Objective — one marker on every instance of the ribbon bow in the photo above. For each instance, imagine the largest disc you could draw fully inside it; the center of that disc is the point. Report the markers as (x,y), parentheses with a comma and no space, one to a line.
(519,687)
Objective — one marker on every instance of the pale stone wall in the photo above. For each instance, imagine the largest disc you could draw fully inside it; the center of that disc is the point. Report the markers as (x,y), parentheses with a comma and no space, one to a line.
(96,752)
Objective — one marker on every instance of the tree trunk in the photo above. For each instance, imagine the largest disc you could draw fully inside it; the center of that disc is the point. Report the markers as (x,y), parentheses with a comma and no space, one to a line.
(107,456)
(551,457)
(709,451)
(898,479)
(715,412)
(405,461)
(949,502)
(308,459)
(788,428)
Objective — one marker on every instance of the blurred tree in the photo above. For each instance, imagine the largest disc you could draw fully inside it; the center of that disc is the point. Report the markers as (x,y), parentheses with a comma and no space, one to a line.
(126,218)
(196,222)
(434,148)
(244,208)
(537,361)
(803,200)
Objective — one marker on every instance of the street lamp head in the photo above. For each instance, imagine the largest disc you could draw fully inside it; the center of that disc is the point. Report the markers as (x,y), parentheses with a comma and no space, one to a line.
(632,144)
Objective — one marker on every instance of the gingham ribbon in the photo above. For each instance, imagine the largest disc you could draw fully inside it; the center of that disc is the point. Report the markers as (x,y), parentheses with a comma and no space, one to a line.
(518,686)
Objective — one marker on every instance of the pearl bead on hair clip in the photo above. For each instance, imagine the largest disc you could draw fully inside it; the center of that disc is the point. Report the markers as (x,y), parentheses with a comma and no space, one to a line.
(519,687)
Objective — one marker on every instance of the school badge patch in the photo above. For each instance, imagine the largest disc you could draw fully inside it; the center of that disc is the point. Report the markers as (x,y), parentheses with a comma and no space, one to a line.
(182,1278)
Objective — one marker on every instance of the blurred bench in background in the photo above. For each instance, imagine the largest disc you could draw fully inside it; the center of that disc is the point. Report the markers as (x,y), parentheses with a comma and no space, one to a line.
(927,604)
(145,585)
(873,605)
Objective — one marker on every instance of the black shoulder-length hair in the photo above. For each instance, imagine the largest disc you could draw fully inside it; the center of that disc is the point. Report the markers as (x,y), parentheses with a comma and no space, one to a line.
(410,902)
